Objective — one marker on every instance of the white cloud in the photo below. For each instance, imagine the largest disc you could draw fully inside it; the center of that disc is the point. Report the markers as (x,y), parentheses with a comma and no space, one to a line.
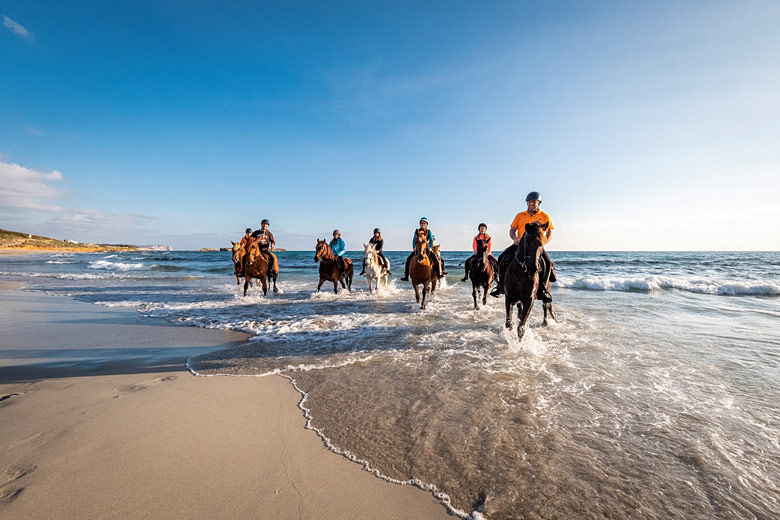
(25,188)
(18,29)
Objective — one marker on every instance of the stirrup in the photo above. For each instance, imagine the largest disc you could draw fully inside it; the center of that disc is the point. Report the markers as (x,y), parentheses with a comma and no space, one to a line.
(498,291)
(465,278)
(405,278)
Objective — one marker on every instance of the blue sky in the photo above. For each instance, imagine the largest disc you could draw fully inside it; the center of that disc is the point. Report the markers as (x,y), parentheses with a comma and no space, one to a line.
(650,125)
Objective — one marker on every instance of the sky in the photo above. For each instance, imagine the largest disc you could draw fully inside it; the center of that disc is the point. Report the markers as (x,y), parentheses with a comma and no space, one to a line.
(645,125)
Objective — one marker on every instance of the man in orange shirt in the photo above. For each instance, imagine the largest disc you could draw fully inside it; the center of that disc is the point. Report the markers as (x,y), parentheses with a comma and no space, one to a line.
(516,231)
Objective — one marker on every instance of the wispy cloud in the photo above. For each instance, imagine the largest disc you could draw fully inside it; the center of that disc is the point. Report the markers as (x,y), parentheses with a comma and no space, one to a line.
(26,195)
(18,29)
(25,188)
(33,130)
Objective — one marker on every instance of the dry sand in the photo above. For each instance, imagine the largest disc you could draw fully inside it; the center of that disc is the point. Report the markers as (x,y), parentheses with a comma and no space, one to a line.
(98,419)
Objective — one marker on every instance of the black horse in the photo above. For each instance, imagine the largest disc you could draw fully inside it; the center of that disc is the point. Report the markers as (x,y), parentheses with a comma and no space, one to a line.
(521,278)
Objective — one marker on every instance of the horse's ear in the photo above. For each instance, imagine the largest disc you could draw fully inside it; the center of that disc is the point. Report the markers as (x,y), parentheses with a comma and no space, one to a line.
(232,242)
(545,226)
(365,245)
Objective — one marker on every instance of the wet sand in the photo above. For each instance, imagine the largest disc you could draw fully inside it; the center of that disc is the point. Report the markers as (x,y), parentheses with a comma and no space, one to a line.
(99,418)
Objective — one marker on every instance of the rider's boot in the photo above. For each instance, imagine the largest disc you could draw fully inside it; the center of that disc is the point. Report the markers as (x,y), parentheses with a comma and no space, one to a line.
(499,290)
(405,277)
(363,271)
(465,277)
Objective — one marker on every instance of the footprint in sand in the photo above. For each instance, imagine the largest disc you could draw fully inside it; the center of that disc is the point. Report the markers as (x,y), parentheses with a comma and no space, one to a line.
(143,385)
(17,472)
(8,492)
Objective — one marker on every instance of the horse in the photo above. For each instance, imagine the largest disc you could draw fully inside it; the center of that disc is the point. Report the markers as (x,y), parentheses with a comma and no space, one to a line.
(521,278)
(329,269)
(238,260)
(481,273)
(421,270)
(255,266)
(374,270)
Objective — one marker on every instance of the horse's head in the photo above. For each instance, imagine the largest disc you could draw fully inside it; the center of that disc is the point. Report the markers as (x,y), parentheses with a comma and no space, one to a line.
(531,246)
(482,246)
(421,246)
(319,251)
(252,249)
(369,252)
(238,252)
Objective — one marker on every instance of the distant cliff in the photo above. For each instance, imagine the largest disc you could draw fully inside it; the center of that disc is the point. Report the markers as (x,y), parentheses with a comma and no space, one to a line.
(25,241)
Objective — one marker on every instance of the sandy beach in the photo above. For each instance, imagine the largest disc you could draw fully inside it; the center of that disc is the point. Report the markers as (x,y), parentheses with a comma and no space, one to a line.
(99,419)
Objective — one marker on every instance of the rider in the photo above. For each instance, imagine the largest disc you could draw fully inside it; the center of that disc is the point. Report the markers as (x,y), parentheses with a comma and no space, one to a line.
(339,248)
(438,265)
(266,243)
(516,231)
(378,243)
(245,238)
(482,235)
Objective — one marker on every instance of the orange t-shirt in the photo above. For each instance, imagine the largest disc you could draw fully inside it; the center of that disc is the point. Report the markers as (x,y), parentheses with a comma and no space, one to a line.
(523,218)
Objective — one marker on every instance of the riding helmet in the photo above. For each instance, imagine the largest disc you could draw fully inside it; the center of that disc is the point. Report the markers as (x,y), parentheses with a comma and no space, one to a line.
(336,232)
(482,224)
(423,219)
(265,221)
(376,230)
(248,230)
(534,195)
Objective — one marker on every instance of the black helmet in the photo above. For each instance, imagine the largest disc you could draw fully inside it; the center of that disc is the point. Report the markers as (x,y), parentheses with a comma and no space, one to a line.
(376,230)
(482,224)
(248,230)
(534,195)
(265,221)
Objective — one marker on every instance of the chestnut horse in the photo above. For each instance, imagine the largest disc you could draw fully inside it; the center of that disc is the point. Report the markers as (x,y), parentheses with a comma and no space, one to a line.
(329,269)
(481,273)
(256,266)
(238,260)
(421,270)
(521,278)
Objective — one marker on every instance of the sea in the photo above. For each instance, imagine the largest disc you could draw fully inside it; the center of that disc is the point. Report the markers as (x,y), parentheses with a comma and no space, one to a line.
(657,395)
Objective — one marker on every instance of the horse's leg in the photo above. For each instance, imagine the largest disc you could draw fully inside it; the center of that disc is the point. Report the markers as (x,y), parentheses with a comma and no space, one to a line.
(246,284)
(319,286)
(485,289)
(416,293)
(474,294)
(548,309)
(424,296)
(265,284)
(336,285)
(523,316)
(509,309)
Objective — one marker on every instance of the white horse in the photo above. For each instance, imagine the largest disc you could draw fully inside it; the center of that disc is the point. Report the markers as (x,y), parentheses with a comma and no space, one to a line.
(374,270)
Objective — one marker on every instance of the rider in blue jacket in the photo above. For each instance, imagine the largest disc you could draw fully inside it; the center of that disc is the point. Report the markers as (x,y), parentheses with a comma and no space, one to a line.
(339,248)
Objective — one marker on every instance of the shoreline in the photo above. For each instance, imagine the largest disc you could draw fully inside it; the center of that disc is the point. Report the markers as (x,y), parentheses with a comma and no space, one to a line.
(101,418)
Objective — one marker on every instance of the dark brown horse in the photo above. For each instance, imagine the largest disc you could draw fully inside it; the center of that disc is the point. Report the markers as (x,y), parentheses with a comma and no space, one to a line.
(521,278)
(255,266)
(481,273)
(238,260)
(329,268)
(421,269)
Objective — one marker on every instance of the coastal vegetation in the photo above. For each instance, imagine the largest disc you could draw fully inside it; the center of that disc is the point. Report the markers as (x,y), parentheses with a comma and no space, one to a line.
(23,241)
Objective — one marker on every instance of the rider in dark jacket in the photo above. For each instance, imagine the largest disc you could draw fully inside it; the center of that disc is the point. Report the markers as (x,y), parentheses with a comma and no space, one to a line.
(378,243)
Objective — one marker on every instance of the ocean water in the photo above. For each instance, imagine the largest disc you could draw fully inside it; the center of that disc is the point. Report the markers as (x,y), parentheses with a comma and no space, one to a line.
(656,396)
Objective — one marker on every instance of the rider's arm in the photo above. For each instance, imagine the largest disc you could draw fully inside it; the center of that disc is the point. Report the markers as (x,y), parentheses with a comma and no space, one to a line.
(271,241)
(513,235)
(474,245)
(549,235)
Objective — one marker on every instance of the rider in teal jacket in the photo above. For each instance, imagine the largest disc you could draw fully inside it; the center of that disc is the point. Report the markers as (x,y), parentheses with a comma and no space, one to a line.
(339,248)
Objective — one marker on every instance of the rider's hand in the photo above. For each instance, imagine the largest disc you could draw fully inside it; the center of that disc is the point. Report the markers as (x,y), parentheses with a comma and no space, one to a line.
(517,241)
